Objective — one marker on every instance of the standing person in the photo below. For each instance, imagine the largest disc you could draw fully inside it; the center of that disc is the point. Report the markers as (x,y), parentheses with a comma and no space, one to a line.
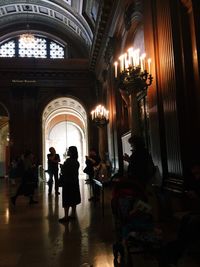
(53,160)
(29,179)
(91,161)
(70,184)
(141,166)
(92,167)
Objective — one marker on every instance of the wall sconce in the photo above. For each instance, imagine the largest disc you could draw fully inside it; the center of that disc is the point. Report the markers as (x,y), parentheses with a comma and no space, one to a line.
(133,71)
(100,116)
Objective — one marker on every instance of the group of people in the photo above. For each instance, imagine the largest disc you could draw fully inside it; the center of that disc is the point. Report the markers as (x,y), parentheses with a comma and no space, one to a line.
(70,173)
(96,169)
(139,171)
(70,178)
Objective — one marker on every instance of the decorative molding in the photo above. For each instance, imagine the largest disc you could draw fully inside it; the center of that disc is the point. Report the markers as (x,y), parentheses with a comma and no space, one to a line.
(109,50)
(65,103)
(132,13)
(103,17)
(65,75)
(49,10)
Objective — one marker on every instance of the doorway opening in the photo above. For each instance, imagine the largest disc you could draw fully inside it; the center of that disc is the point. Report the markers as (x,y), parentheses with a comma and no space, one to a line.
(64,124)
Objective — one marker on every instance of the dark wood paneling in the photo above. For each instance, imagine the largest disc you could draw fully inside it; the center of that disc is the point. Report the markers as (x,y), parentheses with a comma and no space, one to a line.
(28,85)
(167,82)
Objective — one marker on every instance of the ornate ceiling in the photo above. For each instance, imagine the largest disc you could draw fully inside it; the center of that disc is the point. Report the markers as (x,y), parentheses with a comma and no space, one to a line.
(71,21)
(80,24)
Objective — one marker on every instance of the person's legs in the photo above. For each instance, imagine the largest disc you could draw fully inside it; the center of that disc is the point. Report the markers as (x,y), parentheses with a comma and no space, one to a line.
(66,209)
(73,214)
(20,191)
(31,200)
(50,182)
(56,182)
(66,217)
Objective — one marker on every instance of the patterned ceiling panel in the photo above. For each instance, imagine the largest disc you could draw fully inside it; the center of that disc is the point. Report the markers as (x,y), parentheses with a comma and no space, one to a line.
(59,11)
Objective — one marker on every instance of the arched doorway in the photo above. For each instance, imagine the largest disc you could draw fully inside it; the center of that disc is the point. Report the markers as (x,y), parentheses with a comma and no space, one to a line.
(4,141)
(64,123)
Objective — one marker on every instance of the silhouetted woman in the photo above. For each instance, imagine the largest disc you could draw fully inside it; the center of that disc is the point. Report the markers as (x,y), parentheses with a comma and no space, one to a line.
(71,191)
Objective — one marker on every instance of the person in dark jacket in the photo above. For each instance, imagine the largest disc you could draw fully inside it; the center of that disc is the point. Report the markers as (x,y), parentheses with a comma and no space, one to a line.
(92,166)
(91,161)
(70,185)
(53,161)
(140,161)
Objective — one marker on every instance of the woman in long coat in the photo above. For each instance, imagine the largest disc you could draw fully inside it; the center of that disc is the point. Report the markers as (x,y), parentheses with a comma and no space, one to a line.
(70,184)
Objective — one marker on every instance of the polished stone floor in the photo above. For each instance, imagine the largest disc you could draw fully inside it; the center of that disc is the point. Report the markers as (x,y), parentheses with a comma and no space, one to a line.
(31,235)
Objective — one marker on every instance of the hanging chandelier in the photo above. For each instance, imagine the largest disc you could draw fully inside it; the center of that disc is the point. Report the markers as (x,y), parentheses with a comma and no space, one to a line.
(100,116)
(27,38)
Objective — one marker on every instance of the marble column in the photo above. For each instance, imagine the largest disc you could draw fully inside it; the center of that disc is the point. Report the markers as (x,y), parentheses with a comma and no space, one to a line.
(135,120)
(102,141)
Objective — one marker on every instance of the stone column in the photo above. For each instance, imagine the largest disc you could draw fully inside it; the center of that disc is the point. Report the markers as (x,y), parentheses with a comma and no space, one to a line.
(135,120)
(102,141)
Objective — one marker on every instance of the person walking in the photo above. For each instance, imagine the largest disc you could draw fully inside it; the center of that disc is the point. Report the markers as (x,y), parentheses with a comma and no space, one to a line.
(29,179)
(70,184)
(53,161)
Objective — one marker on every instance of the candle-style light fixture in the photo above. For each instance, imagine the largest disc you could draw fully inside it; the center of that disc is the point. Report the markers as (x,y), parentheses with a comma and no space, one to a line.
(27,38)
(100,116)
(133,72)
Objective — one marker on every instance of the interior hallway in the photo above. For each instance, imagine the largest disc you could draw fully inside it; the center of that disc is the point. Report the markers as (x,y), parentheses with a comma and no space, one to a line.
(31,235)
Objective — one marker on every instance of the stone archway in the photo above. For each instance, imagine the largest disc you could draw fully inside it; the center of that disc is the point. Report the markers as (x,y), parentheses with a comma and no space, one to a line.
(64,123)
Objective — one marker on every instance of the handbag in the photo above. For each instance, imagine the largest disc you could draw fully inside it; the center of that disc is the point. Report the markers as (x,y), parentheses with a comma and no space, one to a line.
(60,180)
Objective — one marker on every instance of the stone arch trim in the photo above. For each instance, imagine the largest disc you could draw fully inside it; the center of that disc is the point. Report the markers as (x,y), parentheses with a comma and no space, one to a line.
(65,105)
(64,109)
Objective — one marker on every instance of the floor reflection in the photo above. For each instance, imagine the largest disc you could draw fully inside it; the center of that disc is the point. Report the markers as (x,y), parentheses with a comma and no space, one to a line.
(31,235)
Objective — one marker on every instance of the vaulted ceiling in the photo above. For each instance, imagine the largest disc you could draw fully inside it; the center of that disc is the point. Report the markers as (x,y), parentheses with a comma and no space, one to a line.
(72,21)
(80,24)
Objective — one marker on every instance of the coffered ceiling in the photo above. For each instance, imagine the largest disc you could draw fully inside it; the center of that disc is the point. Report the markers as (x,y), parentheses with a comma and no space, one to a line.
(72,21)
(80,24)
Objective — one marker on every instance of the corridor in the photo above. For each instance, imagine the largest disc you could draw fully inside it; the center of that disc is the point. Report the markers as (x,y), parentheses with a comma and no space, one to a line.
(31,235)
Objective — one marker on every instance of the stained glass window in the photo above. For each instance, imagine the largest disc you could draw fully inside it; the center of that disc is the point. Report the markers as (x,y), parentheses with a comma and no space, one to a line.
(36,49)
(40,47)
(7,49)
(56,51)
